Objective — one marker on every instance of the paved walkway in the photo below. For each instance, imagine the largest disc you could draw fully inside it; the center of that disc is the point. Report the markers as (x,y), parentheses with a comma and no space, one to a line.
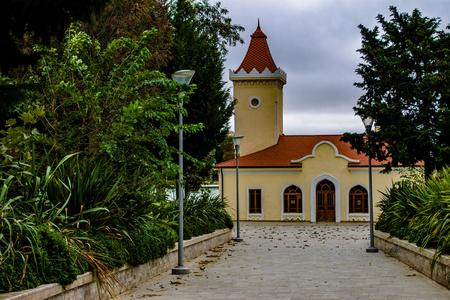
(294,261)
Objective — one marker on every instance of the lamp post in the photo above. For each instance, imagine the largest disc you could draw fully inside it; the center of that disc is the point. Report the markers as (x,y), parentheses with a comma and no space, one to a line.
(181,77)
(368,122)
(237,140)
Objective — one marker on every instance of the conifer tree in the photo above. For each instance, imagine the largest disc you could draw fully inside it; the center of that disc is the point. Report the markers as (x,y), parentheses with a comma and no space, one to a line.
(201,34)
(405,77)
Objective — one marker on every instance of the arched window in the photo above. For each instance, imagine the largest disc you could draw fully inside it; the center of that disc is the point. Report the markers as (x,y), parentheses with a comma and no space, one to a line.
(358,200)
(325,185)
(292,199)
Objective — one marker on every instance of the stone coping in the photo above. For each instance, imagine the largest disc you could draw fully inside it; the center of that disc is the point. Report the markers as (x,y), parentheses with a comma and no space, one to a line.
(415,257)
(85,286)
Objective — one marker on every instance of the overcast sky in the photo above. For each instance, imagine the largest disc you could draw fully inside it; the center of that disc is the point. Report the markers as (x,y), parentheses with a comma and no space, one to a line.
(315,42)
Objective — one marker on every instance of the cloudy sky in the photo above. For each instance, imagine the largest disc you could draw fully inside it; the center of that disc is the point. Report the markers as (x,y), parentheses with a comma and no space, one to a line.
(315,42)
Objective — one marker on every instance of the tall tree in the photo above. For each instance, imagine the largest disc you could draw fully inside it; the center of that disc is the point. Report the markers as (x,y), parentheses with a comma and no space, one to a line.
(201,35)
(129,19)
(105,102)
(405,76)
(24,21)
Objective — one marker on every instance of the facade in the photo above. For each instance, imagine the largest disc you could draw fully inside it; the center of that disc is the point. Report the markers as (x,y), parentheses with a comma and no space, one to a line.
(290,177)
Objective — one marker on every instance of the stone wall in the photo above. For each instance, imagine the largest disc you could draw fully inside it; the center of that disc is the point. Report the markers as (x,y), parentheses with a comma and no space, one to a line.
(415,257)
(127,277)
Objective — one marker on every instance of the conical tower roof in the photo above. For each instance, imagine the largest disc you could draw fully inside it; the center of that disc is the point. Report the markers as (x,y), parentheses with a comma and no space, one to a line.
(258,54)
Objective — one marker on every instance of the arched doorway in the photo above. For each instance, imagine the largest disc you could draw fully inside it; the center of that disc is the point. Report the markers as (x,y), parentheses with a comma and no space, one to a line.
(325,201)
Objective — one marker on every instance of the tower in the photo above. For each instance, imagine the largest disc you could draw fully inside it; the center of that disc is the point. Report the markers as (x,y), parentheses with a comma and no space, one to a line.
(258,88)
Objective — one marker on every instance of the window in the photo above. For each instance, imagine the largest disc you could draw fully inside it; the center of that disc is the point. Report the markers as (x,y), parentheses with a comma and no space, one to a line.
(292,199)
(358,200)
(254,102)
(254,201)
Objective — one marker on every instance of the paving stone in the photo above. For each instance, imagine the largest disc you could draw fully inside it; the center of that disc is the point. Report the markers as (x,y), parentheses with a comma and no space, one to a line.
(294,261)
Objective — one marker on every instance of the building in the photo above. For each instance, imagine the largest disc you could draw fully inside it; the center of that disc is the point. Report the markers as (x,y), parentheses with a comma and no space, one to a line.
(290,177)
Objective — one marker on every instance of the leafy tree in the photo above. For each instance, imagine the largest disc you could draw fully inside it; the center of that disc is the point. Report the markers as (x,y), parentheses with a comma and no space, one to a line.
(226,150)
(201,34)
(405,76)
(105,102)
(23,23)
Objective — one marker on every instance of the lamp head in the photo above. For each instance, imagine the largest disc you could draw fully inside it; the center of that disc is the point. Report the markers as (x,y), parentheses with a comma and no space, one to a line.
(183,76)
(368,121)
(237,140)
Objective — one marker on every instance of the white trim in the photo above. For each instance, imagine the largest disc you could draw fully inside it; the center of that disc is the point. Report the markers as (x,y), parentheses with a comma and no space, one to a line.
(255,217)
(357,216)
(266,172)
(337,191)
(336,152)
(279,73)
(365,170)
(292,216)
(250,102)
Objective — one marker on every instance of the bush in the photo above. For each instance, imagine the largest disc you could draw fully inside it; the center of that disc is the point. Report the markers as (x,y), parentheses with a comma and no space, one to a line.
(419,212)
(149,242)
(204,213)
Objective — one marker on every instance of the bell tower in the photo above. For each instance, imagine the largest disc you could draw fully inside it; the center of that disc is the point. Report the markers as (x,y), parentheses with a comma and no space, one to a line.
(258,88)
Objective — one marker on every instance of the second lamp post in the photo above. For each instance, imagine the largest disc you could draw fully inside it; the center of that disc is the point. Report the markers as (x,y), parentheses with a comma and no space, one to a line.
(237,140)
(182,77)
(368,123)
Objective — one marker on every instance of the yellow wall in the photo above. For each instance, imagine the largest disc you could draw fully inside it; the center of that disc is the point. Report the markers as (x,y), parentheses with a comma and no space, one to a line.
(324,165)
(260,126)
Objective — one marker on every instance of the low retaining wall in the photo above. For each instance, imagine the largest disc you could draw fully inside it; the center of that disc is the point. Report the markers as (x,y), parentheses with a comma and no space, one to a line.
(415,257)
(86,288)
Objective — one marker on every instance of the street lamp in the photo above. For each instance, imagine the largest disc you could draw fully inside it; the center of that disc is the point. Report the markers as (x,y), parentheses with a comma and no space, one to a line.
(368,122)
(181,77)
(237,140)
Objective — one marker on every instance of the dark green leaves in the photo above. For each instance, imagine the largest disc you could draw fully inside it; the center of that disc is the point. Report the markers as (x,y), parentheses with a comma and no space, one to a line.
(405,80)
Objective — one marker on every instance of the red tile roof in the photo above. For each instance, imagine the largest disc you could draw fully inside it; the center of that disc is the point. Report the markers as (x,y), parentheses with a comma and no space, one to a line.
(294,147)
(258,54)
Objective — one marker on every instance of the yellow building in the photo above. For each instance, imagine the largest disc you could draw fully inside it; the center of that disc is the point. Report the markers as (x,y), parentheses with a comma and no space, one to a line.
(290,177)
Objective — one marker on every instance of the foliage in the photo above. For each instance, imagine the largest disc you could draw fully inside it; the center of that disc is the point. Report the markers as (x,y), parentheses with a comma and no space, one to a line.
(419,212)
(129,19)
(86,164)
(17,142)
(23,22)
(405,77)
(106,102)
(226,150)
(57,222)
(201,33)
(204,213)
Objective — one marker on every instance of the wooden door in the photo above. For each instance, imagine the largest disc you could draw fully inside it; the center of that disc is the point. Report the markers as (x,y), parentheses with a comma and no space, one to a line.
(325,202)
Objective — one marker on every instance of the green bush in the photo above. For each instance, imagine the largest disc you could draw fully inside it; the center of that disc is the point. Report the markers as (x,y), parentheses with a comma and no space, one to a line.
(204,213)
(149,242)
(49,260)
(419,212)
(74,217)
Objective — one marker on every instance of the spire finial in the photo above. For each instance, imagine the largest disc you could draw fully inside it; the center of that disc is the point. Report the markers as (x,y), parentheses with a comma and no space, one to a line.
(258,22)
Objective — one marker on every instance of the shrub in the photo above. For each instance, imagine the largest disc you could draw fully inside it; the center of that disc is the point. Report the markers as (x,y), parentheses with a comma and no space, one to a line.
(419,212)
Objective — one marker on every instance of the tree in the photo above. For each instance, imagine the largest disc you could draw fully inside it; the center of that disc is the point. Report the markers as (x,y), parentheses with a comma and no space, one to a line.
(105,102)
(25,21)
(201,34)
(129,19)
(405,76)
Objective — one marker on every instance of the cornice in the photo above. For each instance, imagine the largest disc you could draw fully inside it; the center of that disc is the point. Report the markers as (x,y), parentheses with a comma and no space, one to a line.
(254,74)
